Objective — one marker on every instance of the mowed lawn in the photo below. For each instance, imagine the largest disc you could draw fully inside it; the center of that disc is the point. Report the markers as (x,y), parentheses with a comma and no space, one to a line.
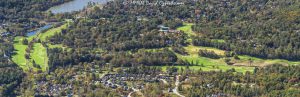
(39,55)
(203,63)
(19,53)
(264,62)
(187,28)
(208,64)
(52,32)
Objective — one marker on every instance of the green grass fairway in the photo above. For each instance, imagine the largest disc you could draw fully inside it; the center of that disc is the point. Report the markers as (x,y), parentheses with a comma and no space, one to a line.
(208,64)
(19,56)
(52,32)
(195,49)
(55,46)
(39,55)
(264,62)
(187,28)
(204,63)
(210,68)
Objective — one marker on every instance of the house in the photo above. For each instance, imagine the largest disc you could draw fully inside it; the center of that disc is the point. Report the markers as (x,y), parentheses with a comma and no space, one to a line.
(164,29)
(5,55)
(139,18)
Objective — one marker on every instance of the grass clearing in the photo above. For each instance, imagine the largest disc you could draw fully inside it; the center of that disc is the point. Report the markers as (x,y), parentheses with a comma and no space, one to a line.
(19,56)
(55,46)
(244,59)
(195,49)
(39,55)
(219,40)
(187,28)
(207,64)
(52,32)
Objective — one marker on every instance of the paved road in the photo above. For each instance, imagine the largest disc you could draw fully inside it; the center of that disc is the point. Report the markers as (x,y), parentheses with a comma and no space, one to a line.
(134,90)
(175,90)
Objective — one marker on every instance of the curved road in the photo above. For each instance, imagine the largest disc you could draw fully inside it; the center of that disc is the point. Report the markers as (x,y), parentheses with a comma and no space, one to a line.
(134,90)
(175,90)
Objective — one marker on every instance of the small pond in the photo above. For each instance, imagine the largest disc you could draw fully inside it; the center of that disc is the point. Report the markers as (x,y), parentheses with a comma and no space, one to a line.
(39,29)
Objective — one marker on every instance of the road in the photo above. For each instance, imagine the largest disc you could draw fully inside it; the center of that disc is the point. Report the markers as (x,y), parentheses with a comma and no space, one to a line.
(134,90)
(175,90)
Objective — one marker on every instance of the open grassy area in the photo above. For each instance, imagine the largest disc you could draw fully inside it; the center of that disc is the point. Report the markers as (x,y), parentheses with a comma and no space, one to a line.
(241,65)
(39,55)
(52,32)
(208,64)
(187,28)
(195,49)
(263,62)
(19,56)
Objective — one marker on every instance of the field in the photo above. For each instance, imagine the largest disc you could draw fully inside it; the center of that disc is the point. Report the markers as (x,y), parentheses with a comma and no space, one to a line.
(38,53)
(51,32)
(204,63)
(207,64)
(19,56)
(187,28)
(241,65)
(264,62)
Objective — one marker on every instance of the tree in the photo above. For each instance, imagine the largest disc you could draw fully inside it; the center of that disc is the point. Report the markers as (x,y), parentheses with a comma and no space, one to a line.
(25,41)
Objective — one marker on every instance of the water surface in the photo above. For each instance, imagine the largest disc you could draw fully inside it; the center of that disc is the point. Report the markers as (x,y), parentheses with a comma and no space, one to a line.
(75,5)
(39,29)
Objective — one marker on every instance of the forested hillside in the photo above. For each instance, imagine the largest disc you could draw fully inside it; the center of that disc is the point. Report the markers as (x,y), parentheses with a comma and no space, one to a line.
(20,16)
(195,48)
(261,28)
(11,75)
(117,32)
(265,29)
(17,17)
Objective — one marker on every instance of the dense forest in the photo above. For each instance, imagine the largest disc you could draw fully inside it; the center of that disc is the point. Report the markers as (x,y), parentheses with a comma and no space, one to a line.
(261,28)
(128,39)
(122,35)
(18,17)
(271,81)
(11,75)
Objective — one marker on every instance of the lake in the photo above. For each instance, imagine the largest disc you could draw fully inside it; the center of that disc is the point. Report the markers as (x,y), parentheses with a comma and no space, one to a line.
(71,6)
(39,29)
(75,5)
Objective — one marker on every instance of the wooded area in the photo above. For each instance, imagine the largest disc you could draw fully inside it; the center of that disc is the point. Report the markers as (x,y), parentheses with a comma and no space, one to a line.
(108,49)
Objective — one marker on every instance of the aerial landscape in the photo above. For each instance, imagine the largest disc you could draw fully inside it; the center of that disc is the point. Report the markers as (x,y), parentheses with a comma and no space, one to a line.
(149,48)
